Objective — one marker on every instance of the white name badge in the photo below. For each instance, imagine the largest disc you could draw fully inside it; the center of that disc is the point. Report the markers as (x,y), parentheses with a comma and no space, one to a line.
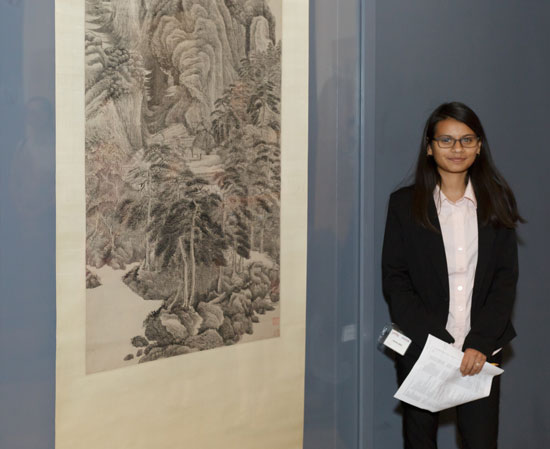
(397,342)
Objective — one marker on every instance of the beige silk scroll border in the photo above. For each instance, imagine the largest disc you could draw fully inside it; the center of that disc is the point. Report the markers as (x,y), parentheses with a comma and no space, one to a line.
(245,396)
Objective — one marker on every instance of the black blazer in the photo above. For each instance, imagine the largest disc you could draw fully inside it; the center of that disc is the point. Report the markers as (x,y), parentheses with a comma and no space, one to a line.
(415,279)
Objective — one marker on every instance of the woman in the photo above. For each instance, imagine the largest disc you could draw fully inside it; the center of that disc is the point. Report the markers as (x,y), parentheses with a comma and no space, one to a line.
(450,267)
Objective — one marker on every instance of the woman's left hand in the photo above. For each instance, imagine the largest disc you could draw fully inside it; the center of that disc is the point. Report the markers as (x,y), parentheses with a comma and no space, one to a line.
(472,362)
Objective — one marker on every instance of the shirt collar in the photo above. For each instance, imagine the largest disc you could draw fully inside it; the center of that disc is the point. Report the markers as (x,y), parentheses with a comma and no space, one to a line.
(468,194)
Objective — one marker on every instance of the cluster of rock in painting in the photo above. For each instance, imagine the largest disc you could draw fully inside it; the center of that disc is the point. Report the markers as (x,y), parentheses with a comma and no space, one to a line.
(219,320)
(92,279)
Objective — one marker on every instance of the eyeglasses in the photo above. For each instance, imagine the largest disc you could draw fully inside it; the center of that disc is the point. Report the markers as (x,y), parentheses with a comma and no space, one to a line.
(468,141)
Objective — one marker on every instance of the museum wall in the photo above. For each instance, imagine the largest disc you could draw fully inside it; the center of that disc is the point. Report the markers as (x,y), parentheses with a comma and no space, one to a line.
(27,225)
(332,349)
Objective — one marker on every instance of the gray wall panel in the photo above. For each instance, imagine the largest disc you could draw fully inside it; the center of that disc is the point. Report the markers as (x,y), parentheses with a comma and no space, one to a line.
(332,348)
(27,225)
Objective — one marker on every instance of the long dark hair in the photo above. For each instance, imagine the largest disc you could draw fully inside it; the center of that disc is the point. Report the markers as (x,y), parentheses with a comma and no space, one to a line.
(496,201)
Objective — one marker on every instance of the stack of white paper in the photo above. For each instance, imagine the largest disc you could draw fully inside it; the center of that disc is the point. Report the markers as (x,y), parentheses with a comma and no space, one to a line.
(435,382)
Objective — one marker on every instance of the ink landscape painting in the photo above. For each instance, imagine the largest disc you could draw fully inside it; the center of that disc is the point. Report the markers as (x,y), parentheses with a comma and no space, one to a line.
(183,177)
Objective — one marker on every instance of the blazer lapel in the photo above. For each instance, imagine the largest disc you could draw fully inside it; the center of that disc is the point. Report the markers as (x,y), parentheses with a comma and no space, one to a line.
(485,239)
(436,249)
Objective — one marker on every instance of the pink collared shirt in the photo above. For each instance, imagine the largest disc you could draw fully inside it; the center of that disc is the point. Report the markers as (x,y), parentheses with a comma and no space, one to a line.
(458,222)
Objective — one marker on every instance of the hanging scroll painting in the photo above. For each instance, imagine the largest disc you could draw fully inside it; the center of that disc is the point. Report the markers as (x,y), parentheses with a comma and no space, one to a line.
(181,202)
